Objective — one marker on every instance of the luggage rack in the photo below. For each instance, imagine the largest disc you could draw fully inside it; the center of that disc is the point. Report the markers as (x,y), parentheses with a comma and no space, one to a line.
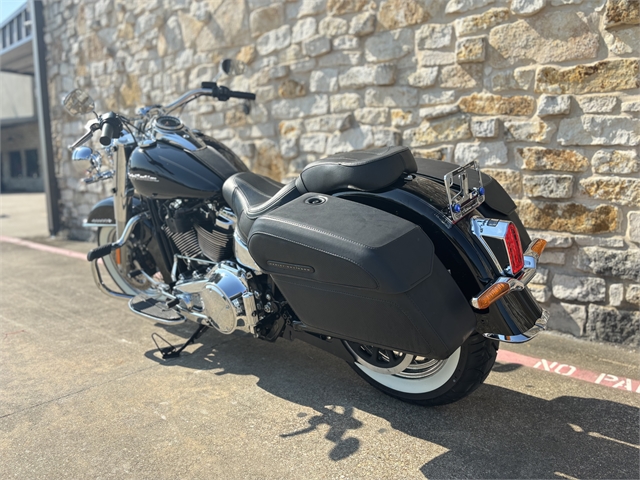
(469,197)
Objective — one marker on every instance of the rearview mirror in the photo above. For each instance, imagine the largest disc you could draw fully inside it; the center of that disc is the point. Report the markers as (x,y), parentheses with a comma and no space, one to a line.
(232,67)
(78,102)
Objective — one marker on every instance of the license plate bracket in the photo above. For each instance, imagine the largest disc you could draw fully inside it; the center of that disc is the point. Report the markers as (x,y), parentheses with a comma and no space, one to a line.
(470,194)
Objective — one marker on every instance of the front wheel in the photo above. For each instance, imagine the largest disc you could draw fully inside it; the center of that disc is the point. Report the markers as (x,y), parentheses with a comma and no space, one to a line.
(425,381)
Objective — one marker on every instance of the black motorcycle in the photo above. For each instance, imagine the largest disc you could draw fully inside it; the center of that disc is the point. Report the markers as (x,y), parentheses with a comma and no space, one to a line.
(411,270)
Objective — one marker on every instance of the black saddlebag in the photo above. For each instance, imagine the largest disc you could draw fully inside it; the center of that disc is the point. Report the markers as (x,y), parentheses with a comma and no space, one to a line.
(357,273)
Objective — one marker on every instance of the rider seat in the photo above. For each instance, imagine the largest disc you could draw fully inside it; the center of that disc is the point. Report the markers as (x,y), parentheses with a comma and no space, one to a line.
(251,195)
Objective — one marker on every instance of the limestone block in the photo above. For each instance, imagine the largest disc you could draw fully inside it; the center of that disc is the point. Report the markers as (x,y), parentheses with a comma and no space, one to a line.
(300,107)
(438,111)
(527,7)
(190,28)
(587,241)
(541,276)
(477,23)
(289,147)
(401,13)
(461,77)
(470,50)
(263,20)
(548,186)
(487,104)
(346,42)
(502,81)
(247,54)
(486,153)
(268,160)
(339,59)
(447,96)
(430,58)
(303,66)
(290,88)
(615,161)
(362,24)
(597,103)
(554,105)
(391,97)
(622,41)
(456,6)
(541,293)
(291,128)
(333,26)
(545,38)
(345,102)
(329,123)
(441,154)
(371,116)
(509,179)
(554,240)
(274,40)
(554,258)
(403,118)
(633,228)
(540,158)
(433,36)
(633,294)
(312,7)
(357,138)
(423,77)
(484,127)
(389,45)
(313,142)
(357,77)
(315,46)
(524,76)
(621,12)
(303,29)
(386,137)
(568,217)
(289,55)
(599,130)
(604,76)
(325,80)
(612,325)
(529,131)
(624,191)
(436,131)
(568,318)
(340,7)
(623,264)
(632,106)
(616,294)
(557,3)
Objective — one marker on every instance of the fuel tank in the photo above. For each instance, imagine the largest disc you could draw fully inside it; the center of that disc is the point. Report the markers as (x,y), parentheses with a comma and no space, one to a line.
(181,163)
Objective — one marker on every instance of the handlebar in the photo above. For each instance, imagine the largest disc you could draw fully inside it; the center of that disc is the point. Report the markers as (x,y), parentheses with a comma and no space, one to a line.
(107,134)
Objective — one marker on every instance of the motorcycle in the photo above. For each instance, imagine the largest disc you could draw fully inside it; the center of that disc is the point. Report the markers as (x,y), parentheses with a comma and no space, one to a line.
(409,269)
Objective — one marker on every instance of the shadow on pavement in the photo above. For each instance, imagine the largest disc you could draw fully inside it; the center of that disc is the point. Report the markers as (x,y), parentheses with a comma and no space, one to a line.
(494,433)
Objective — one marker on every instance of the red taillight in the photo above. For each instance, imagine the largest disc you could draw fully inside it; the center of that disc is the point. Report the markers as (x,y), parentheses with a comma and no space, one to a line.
(514,249)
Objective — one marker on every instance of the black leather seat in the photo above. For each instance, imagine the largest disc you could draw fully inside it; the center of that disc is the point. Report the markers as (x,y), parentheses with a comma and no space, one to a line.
(251,195)
(365,170)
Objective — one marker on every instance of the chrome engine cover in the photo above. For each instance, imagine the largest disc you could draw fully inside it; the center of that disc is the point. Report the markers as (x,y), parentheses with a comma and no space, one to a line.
(228,301)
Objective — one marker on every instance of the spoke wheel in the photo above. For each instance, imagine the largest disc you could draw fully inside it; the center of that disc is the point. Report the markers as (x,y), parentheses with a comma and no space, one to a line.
(427,381)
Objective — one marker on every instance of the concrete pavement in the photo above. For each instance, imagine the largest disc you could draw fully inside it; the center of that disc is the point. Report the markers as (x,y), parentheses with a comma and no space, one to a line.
(82,395)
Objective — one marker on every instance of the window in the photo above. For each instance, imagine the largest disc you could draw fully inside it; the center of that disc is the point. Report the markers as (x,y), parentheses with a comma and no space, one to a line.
(15,164)
(33,169)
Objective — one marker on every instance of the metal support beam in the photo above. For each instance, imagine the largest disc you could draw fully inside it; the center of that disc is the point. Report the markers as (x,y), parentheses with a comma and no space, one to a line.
(44,123)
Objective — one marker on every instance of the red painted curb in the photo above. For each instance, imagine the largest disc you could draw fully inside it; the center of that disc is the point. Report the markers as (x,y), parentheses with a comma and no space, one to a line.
(43,248)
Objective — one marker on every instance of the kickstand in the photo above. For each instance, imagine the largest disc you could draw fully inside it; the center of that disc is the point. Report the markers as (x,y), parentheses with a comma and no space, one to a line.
(174,352)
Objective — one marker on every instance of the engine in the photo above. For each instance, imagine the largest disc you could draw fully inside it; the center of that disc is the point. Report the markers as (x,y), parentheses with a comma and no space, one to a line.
(216,290)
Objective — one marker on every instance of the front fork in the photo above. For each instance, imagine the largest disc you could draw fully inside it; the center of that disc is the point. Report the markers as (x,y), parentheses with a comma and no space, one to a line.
(122,201)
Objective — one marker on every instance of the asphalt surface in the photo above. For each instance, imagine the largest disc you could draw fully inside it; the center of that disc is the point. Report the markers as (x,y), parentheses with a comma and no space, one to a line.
(83,395)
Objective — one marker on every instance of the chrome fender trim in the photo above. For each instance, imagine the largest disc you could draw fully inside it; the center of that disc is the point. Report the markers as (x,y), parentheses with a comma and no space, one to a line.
(539,326)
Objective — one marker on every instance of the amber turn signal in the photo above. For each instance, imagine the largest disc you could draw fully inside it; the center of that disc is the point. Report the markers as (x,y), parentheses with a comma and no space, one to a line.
(491,294)
(538,246)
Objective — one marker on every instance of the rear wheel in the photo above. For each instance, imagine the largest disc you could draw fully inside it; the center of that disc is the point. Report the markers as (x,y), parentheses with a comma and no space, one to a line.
(422,380)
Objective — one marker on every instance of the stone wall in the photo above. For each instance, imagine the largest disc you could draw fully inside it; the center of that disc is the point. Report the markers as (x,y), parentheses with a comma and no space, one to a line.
(543,93)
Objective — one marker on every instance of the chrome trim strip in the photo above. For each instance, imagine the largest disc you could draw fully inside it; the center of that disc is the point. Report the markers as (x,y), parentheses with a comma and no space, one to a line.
(243,257)
(98,225)
(540,326)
